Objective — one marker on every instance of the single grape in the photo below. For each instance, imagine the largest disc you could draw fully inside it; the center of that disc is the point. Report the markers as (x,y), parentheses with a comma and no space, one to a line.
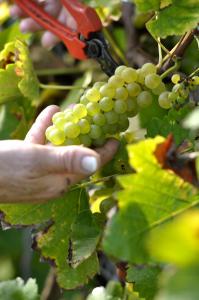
(123,124)
(71,142)
(84,126)
(95,132)
(70,116)
(60,122)
(111,117)
(152,81)
(133,89)
(107,91)
(83,100)
(121,93)
(172,96)
(55,136)
(164,100)
(80,111)
(98,84)
(99,119)
(58,115)
(120,106)
(140,76)
(131,107)
(106,104)
(71,130)
(110,129)
(99,142)
(119,70)
(195,80)
(161,88)
(85,140)
(175,78)
(93,95)
(129,75)
(115,81)
(92,108)
(144,99)
(148,68)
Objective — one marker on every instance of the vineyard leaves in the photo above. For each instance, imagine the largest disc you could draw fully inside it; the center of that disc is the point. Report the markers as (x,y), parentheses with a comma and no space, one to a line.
(149,198)
(54,239)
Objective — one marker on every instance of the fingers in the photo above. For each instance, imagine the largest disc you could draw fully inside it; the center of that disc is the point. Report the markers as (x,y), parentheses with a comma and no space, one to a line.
(108,151)
(36,134)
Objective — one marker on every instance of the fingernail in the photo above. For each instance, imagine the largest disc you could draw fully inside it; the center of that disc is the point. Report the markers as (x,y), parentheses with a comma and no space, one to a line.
(89,164)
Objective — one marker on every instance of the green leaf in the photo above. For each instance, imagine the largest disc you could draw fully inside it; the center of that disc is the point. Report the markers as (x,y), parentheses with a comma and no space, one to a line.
(179,284)
(177,242)
(145,6)
(170,123)
(54,241)
(144,279)
(9,81)
(84,237)
(18,290)
(176,19)
(148,199)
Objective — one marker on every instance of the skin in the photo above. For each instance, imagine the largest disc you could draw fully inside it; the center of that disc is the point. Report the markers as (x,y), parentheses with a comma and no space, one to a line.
(34,172)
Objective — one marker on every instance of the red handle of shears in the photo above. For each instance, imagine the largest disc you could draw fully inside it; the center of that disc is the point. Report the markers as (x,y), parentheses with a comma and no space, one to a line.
(86,18)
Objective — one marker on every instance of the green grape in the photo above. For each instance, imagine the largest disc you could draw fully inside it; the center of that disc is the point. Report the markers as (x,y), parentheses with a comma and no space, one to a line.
(152,81)
(161,88)
(133,89)
(115,81)
(119,70)
(175,78)
(95,132)
(181,90)
(148,68)
(80,111)
(99,142)
(107,91)
(93,95)
(140,76)
(123,124)
(92,108)
(85,140)
(120,106)
(106,104)
(84,100)
(144,99)
(58,115)
(84,126)
(121,93)
(195,80)
(55,136)
(98,84)
(164,100)
(129,75)
(71,130)
(172,96)
(60,122)
(110,129)
(99,119)
(70,116)
(70,142)
(131,107)
(111,117)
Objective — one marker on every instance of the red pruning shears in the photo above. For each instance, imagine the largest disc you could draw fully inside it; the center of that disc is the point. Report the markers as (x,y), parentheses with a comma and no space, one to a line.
(86,42)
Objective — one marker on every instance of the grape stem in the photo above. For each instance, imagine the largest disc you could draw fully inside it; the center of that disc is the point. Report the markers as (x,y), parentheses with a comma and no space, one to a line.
(194,72)
(59,87)
(170,70)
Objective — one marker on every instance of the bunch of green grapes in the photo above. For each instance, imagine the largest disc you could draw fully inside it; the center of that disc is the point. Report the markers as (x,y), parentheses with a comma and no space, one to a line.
(104,109)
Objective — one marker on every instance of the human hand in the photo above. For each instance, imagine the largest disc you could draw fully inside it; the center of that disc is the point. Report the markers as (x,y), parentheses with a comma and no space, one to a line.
(31,171)
(55,9)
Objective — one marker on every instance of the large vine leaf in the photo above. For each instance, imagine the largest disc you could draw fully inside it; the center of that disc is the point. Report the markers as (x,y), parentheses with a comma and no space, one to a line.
(148,199)
(183,15)
(145,6)
(17,73)
(54,241)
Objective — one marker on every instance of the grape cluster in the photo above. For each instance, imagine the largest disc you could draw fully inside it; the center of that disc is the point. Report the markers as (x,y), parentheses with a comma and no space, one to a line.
(104,108)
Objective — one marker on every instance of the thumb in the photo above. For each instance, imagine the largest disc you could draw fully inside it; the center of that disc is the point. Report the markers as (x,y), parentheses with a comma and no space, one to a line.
(69,159)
